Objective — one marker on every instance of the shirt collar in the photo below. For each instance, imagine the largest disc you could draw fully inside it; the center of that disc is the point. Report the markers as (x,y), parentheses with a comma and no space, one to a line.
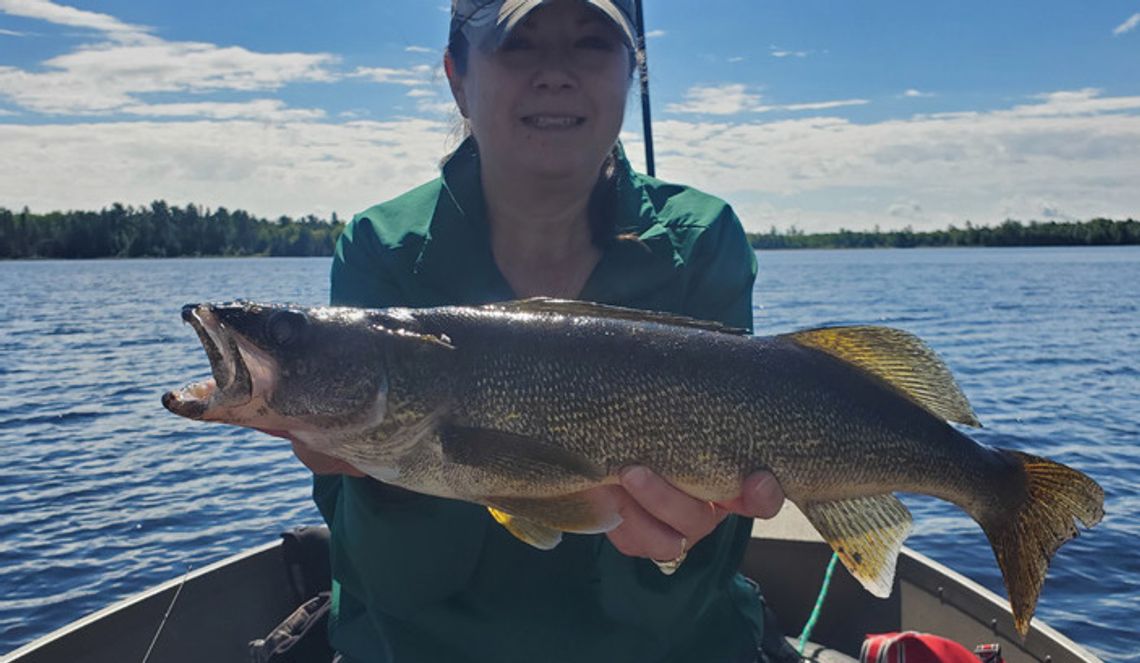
(456,258)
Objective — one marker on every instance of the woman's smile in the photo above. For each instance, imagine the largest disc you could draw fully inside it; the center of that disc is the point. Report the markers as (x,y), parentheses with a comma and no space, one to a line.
(553,122)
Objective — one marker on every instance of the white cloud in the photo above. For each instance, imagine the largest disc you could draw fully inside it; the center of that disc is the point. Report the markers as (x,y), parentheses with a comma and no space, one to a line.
(412,76)
(1071,153)
(266,168)
(778,52)
(1127,26)
(917,93)
(1075,102)
(108,76)
(11,33)
(736,58)
(655,34)
(127,62)
(822,105)
(728,99)
(418,49)
(45,10)
(268,110)
(734,98)
(907,209)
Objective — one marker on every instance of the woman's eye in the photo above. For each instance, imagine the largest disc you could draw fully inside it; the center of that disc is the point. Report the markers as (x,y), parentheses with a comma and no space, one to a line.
(515,43)
(594,42)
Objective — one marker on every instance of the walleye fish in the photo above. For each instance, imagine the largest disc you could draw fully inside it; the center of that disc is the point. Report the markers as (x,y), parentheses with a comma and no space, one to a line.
(525,406)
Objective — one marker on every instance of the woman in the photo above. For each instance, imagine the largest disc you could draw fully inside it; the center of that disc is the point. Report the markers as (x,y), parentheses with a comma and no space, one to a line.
(539,200)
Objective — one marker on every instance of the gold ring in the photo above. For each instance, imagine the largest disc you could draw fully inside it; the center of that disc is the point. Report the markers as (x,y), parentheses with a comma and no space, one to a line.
(670,567)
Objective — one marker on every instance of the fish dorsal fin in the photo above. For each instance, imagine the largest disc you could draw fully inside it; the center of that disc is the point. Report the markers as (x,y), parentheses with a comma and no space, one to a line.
(898,358)
(867,534)
(575,308)
(400,323)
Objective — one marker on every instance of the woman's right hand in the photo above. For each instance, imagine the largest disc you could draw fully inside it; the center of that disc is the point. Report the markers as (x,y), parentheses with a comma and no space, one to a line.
(320,463)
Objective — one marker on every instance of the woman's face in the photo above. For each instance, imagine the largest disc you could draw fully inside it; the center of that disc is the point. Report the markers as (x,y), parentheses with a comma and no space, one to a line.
(551,99)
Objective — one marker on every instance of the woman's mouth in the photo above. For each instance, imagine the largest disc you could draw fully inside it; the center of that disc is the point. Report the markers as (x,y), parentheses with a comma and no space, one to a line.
(553,122)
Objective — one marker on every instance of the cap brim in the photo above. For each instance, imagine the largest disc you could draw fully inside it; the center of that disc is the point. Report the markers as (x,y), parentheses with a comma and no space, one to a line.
(512,12)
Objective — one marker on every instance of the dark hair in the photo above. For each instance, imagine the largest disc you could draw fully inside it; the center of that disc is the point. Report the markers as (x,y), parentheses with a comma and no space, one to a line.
(602,208)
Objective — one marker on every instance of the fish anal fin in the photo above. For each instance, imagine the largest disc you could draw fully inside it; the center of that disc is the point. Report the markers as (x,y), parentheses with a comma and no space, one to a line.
(900,359)
(528,531)
(575,308)
(500,462)
(867,533)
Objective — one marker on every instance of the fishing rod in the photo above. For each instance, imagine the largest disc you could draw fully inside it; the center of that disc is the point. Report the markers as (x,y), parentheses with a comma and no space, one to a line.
(643,69)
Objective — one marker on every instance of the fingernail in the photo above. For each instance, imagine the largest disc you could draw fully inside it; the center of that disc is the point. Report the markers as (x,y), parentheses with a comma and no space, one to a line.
(763,485)
(635,477)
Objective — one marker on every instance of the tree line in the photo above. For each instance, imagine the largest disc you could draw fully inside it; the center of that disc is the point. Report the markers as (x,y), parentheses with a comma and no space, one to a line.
(162,231)
(1096,232)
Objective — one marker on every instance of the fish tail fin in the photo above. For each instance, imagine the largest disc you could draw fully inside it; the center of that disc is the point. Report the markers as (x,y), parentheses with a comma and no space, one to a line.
(1025,535)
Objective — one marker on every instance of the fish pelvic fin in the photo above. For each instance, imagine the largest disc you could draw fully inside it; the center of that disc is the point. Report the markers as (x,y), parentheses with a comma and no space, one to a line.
(536,534)
(900,359)
(1025,535)
(587,512)
(540,521)
(867,534)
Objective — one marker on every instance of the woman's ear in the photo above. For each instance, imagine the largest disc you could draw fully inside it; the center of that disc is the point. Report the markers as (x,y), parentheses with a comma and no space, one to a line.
(455,82)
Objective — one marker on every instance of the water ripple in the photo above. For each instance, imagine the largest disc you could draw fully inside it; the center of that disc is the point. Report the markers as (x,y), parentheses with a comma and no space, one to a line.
(102,493)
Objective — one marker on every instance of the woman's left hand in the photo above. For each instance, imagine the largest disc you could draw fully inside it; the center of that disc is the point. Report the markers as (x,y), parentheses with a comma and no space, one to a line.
(661,522)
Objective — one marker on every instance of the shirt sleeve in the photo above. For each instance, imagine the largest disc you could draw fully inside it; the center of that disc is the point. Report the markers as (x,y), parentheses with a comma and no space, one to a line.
(360,273)
(723,266)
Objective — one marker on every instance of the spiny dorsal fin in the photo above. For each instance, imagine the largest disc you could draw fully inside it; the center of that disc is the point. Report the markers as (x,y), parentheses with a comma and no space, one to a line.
(867,534)
(575,308)
(900,359)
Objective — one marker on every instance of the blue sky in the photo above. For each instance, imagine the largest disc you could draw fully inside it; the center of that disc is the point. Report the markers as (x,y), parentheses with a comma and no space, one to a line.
(809,113)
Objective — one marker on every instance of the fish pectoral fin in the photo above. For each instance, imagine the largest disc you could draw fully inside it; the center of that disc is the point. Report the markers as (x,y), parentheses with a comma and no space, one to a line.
(528,531)
(511,458)
(867,533)
(898,358)
(571,307)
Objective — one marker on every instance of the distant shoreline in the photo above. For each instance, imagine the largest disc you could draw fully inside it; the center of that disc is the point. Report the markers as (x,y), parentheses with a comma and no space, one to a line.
(164,231)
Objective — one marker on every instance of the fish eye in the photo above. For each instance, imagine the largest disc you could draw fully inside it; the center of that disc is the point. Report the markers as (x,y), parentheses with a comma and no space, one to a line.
(285,327)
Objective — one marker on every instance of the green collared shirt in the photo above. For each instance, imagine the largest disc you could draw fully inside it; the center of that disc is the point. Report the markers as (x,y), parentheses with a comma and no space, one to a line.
(418,578)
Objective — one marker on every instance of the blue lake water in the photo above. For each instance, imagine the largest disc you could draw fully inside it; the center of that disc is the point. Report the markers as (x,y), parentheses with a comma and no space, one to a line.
(103,493)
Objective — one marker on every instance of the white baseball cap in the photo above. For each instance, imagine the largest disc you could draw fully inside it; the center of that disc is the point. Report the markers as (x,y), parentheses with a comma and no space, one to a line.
(478,18)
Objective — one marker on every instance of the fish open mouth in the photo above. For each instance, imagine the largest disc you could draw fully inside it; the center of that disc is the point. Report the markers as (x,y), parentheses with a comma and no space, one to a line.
(230,384)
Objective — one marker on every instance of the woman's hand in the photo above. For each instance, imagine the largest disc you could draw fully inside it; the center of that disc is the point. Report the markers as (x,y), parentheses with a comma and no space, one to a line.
(319,463)
(662,523)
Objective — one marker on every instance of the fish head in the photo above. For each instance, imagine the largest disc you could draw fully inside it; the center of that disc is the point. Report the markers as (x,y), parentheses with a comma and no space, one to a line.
(285,370)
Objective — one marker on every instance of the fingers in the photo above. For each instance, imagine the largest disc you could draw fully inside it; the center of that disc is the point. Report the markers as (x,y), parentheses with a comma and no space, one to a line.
(642,535)
(657,516)
(319,463)
(760,497)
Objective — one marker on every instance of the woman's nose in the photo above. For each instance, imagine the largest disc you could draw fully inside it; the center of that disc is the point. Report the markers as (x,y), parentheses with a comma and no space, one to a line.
(555,71)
